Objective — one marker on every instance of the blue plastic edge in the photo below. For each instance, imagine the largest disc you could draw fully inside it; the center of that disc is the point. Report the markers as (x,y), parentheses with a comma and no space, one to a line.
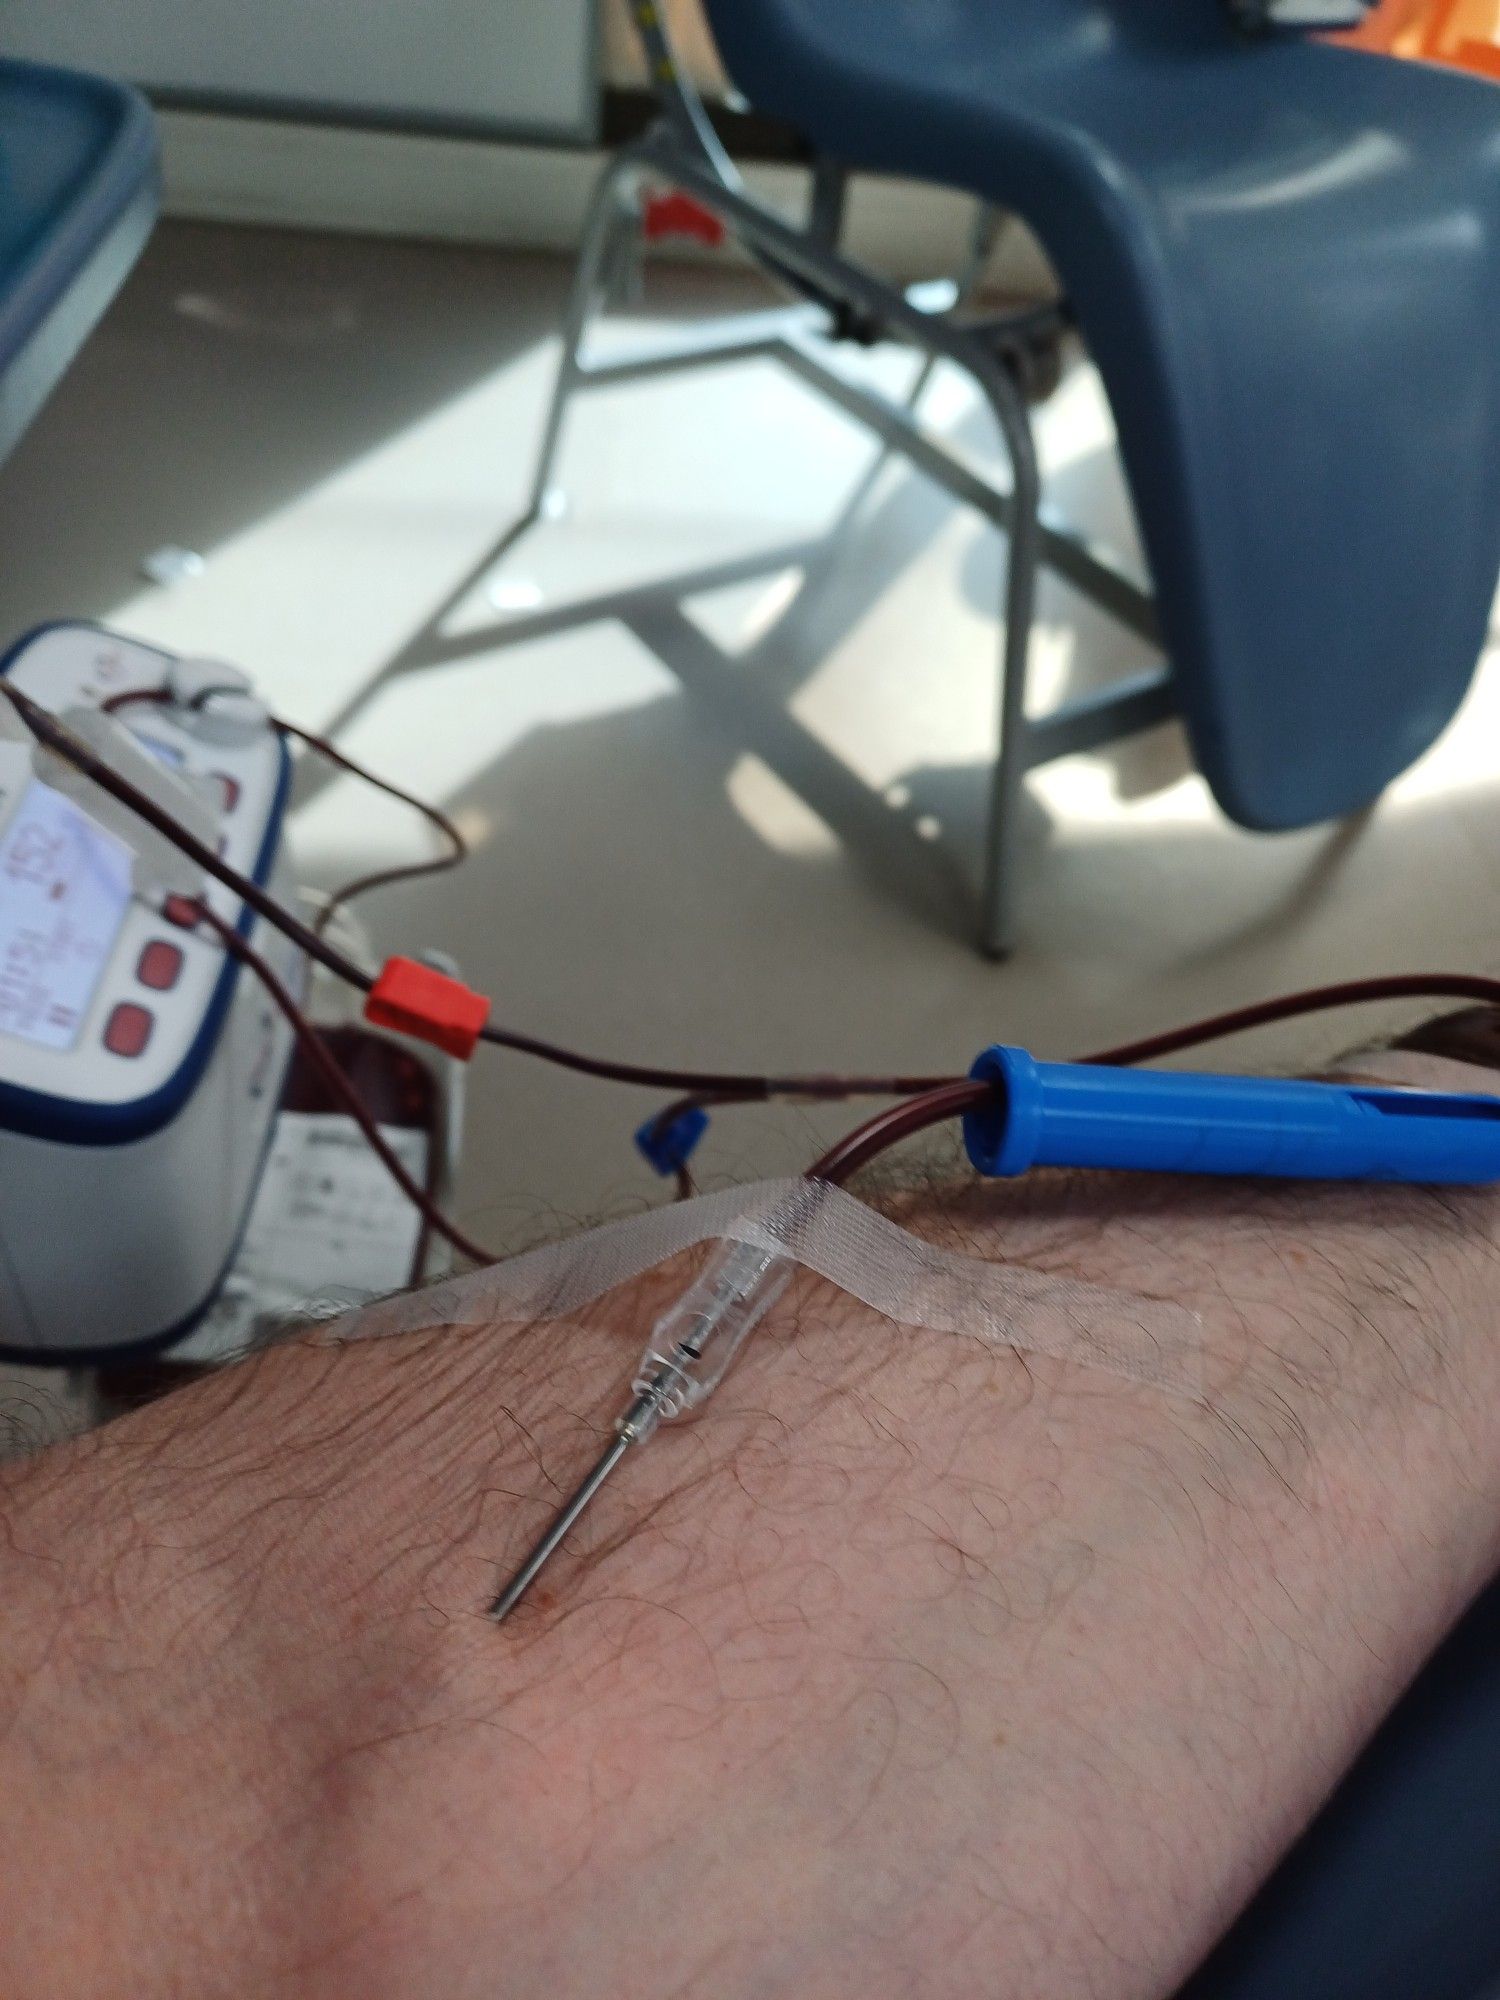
(670,1149)
(114,184)
(1000,1137)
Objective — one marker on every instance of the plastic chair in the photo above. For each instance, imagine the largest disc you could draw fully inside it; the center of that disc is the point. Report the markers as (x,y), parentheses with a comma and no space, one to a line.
(1282,255)
(78,196)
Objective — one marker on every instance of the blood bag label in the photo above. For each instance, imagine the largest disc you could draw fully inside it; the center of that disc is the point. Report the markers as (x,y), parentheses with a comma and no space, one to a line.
(64,890)
(328,1221)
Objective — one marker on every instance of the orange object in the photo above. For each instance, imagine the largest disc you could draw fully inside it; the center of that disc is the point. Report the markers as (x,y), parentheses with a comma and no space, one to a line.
(1465,34)
(1483,58)
(1395,27)
(428,1005)
(678,215)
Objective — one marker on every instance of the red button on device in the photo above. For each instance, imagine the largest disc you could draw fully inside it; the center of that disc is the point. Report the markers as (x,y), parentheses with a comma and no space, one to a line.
(182,911)
(160,965)
(129,1029)
(229,790)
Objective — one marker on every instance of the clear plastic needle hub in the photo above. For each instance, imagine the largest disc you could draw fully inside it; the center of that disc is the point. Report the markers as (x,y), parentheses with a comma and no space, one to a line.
(691,1349)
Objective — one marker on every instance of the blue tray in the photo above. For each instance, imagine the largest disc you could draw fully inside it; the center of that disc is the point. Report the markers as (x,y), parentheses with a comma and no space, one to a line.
(78,196)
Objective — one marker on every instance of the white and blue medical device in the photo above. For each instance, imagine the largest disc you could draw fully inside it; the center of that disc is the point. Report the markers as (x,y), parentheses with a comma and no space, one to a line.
(140,1066)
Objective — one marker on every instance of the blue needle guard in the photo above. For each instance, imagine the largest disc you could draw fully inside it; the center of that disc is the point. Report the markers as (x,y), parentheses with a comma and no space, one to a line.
(1168,1121)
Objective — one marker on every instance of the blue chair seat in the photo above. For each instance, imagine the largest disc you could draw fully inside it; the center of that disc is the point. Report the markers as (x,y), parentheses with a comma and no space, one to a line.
(1284,256)
(77,200)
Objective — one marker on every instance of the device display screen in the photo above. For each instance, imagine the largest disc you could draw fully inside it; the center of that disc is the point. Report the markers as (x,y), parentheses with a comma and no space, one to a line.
(164,753)
(64,890)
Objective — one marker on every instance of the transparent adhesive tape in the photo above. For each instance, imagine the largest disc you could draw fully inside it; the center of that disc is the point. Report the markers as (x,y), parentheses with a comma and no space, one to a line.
(907,1280)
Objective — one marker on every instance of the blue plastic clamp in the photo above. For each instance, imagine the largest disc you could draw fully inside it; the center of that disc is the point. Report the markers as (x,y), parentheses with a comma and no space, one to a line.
(670,1147)
(1169,1121)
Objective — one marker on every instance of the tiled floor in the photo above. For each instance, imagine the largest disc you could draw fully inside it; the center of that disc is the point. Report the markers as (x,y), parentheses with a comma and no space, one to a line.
(713,854)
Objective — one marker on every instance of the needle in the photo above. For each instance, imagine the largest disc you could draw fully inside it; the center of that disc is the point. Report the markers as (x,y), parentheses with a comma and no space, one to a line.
(690,1349)
(630,1430)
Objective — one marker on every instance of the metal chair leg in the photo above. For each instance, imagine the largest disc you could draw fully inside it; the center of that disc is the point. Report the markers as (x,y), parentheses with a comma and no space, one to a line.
(608,211)
(997,895)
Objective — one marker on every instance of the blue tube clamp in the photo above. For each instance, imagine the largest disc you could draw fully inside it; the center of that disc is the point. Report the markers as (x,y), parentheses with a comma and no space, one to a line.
(669,1147)
(1170,1121)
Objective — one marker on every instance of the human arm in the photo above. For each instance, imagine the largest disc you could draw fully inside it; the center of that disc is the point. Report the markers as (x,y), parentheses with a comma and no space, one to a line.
(910,1668)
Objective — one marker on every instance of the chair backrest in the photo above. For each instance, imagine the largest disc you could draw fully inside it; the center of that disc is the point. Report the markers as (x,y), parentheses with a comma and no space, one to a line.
(1284,256)
(755,32)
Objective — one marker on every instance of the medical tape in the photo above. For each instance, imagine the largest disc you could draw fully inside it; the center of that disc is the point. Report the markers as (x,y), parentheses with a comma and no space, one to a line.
(901,1276)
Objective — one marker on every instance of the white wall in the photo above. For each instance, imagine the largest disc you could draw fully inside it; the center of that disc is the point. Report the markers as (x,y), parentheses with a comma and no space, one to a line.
(515,65)
(399,184)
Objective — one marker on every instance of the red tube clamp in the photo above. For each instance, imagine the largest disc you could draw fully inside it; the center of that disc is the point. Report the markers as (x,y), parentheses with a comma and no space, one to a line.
(428,1005)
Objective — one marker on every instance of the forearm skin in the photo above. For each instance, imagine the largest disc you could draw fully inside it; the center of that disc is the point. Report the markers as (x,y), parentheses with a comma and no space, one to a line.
(912,1668)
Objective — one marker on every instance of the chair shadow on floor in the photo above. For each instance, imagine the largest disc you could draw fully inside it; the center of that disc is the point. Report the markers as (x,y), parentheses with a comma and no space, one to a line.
(918,840)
